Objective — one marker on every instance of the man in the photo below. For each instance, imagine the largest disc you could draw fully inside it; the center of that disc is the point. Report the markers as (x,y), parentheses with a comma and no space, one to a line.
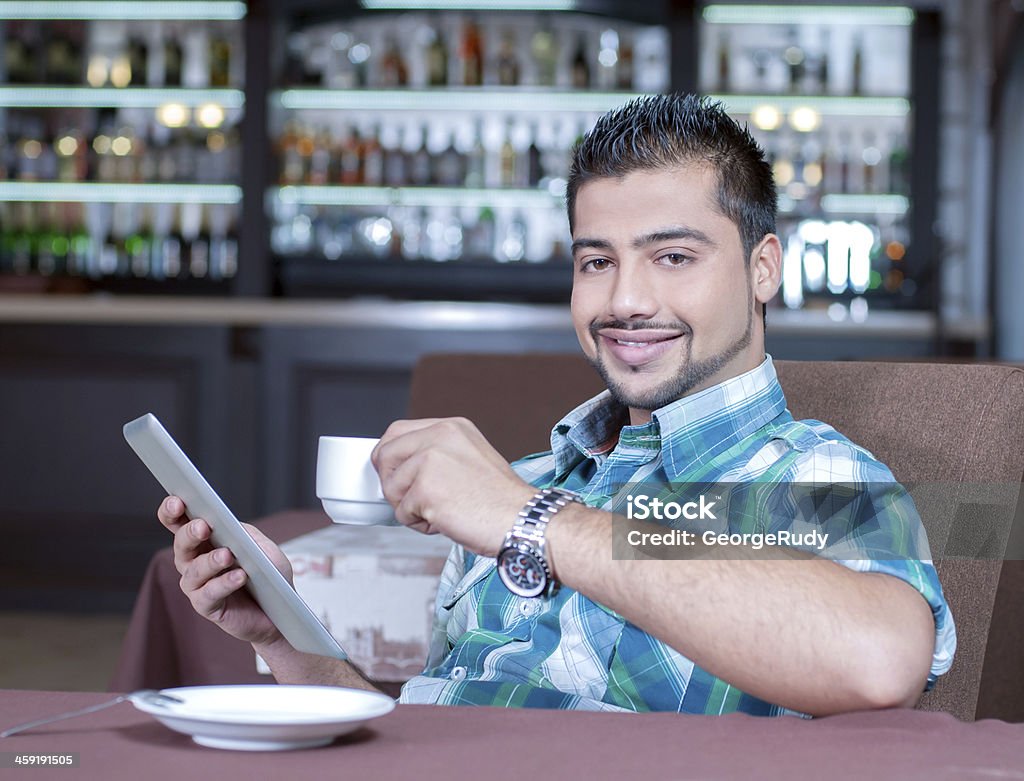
(671,208)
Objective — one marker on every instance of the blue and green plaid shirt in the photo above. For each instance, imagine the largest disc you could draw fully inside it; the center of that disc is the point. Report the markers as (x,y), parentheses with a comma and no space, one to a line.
(490,647)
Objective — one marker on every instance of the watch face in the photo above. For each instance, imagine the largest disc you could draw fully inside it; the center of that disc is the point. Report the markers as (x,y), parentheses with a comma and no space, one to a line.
(522,572)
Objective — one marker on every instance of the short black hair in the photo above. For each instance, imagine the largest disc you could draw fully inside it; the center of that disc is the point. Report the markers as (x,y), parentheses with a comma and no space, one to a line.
(665,131)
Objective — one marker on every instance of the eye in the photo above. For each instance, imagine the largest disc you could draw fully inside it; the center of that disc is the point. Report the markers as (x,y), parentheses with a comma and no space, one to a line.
(595,264)
(674,259)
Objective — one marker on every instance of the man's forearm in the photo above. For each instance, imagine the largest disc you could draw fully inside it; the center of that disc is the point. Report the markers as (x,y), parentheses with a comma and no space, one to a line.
(798,631)
(295,667)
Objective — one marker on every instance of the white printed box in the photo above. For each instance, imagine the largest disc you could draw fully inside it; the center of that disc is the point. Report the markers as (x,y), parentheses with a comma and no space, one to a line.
(373,587)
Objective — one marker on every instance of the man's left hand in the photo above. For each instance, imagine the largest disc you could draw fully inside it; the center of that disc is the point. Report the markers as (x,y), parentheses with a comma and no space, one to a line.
(442,476)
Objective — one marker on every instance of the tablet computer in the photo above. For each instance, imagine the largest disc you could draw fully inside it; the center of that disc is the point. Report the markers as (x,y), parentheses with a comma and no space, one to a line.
(178,476)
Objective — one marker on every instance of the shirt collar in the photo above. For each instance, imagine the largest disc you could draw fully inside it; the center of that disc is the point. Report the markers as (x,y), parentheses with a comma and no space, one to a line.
(690,430)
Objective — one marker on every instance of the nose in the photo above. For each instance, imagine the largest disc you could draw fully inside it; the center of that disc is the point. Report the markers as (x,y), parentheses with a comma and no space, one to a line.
(633,295)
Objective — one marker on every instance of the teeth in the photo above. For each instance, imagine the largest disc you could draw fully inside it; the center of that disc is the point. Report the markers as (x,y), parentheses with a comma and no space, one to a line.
(633,344)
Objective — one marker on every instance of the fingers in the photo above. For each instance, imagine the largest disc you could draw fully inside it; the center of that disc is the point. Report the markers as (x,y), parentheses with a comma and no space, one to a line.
(208,600)
(172,513)
(201,569)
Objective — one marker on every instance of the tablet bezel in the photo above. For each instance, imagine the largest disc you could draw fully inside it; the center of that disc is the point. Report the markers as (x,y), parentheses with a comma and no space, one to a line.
(179,477)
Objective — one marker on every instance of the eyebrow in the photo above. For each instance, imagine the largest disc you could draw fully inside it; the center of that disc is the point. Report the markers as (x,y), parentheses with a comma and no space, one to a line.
(654,237)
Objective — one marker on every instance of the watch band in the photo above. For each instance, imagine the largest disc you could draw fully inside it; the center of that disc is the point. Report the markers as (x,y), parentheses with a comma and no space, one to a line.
(536,513)
(525,542)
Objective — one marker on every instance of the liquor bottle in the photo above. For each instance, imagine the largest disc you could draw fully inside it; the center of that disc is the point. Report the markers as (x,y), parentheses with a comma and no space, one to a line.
(796,59)
(476,159)
(544,49)
(138,61)
(288,154)
(724,83)
(395,160)
(351,169)
(437,60)
(420,168)
(46,245)
(871,157)
(508,158)
(857,80)
(624,66)
(373,160)
(223,243)
(220,61)
(393,71)
(23,226)
(844,163)
(507,64)
(898,165)
(138,243)
(199,248)
(172,61)
(63,55)
(451,166)
(823,74)
(534,162)
(481,236)
(580,66)
(472,54)
(80,244)
(320,159)
(195,260)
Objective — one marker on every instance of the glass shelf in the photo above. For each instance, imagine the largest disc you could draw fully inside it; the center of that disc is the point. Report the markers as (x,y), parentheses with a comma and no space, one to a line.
(474,99)
(808,14)
(853,204)
(469,5)
(419,196)
(112,97)
(108,192)
(825,105)
(216,10)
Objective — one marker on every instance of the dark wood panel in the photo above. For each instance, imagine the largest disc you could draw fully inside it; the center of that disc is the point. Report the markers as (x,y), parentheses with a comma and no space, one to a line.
(77,509)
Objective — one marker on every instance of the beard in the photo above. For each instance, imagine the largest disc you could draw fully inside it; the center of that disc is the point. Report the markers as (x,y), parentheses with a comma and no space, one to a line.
(691,373)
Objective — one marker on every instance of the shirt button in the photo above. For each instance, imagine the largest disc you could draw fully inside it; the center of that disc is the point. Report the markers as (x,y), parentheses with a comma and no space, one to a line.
(526,607)
(458,674)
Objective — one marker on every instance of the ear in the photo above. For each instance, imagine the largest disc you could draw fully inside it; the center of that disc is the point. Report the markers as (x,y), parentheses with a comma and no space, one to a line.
(766,268)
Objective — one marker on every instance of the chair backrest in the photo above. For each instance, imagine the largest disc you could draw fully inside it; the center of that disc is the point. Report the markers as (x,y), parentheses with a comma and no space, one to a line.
(950,423)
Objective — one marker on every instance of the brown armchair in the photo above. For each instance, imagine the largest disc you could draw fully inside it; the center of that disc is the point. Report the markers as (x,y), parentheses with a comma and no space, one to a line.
(927,422)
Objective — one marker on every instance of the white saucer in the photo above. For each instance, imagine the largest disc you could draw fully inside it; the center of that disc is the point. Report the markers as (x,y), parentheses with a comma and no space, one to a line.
(266,718)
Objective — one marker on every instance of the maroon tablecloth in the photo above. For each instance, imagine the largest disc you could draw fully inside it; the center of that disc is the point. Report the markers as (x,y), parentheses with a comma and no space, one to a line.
(167,644)
(430,742)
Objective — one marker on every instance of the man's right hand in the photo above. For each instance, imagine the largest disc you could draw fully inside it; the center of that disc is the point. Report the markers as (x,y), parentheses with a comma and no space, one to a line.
(212,579)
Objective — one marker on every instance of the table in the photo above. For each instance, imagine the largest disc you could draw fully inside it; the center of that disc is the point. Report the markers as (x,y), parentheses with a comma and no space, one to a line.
(433,742)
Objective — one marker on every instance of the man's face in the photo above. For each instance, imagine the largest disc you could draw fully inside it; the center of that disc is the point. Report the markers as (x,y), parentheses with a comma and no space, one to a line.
(663,299)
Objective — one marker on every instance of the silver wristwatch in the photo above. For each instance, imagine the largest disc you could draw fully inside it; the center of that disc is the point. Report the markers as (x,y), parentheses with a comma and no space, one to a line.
(522,563)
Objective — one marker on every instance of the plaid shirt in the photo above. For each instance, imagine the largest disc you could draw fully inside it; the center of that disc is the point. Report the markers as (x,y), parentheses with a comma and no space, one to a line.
(490,647)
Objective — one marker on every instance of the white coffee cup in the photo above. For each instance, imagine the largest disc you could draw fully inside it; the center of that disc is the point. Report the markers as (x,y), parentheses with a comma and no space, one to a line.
(347,484)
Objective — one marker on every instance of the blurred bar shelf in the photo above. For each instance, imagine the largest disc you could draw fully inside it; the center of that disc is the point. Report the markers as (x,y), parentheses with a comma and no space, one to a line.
(808,14)
(825,105)
(109,192)
(156,10)
(470,5)
(853,204)
(113,97)
(338,195)
(472,99)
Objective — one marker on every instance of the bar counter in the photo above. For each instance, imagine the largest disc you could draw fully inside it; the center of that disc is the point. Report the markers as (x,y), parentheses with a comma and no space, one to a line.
(167,310)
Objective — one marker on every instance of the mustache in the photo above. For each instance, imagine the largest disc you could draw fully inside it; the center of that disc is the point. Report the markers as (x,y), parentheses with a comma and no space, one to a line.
(637,325)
